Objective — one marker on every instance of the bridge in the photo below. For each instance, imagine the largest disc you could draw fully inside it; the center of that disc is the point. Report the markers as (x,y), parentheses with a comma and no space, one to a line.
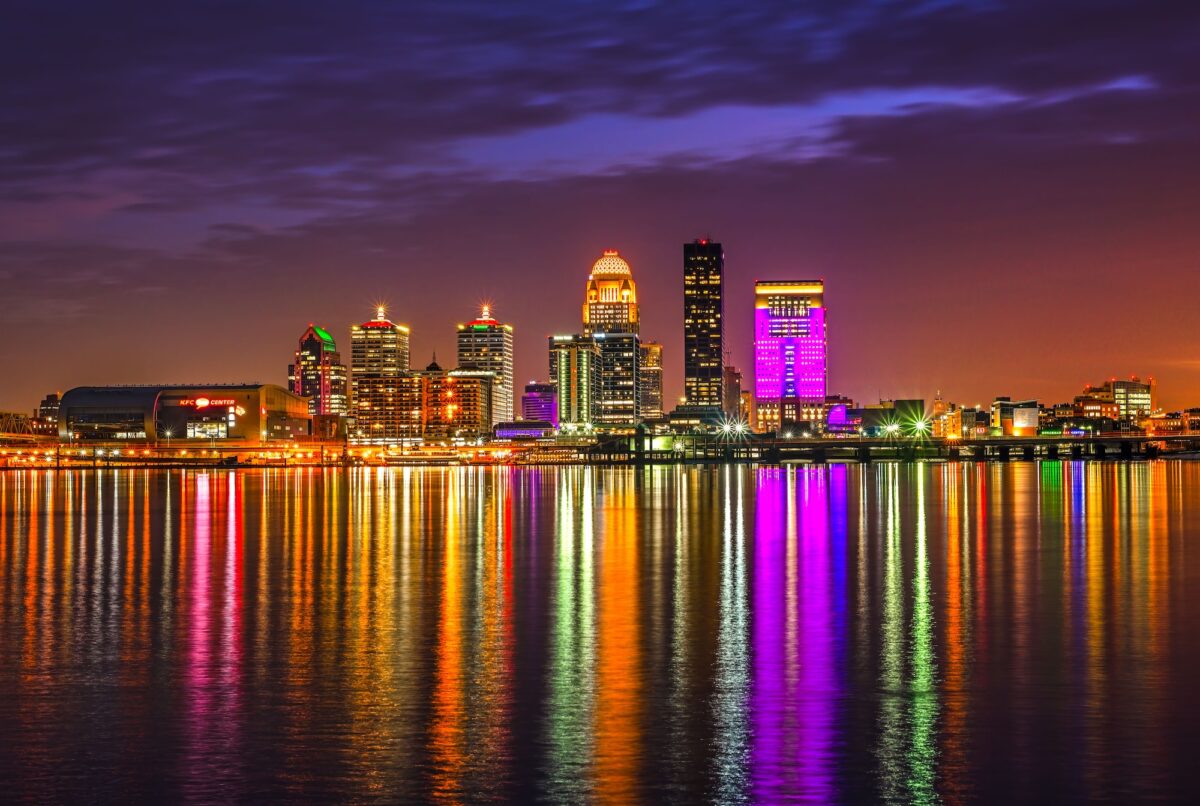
(17,429)
(776,450)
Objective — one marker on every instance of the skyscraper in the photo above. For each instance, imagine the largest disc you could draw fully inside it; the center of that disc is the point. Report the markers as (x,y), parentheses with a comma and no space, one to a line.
(486,344)
(576,364)
(610,300)
(619,404)
(650,384)
(378,346)
(611,318)
(317,372)
(703,323)
(789,351)
(381,387)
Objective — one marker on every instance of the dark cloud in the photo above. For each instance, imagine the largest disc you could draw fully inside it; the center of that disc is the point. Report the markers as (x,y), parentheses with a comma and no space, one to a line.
(217,90)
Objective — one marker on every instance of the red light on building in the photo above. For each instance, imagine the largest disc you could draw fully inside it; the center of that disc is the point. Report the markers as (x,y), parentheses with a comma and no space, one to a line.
(205,402)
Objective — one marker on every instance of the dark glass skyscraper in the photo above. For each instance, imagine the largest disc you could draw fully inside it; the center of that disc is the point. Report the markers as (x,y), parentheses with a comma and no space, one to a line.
(703,323)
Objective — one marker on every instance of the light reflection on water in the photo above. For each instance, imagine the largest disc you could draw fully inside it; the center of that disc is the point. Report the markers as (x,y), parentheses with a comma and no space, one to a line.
(899,633)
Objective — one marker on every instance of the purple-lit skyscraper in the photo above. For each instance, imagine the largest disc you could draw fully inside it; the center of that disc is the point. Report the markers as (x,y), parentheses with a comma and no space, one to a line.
(789,352)
(540,402)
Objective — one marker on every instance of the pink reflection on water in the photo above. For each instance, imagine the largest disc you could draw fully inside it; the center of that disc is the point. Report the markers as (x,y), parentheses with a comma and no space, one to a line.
(795,688)
(212,661)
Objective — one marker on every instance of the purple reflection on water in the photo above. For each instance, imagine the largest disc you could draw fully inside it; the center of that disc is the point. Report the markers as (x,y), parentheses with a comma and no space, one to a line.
(768,749)
(815,696)
(795,689)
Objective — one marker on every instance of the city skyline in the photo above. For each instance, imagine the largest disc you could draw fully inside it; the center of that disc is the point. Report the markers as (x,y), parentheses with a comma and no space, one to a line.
(382,317)
(939,185)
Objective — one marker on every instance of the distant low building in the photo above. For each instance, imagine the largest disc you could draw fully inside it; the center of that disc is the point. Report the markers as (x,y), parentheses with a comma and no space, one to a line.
(1014,418)
(1133,398)
(731,392)
(540,402)
(523,429)
(45,416)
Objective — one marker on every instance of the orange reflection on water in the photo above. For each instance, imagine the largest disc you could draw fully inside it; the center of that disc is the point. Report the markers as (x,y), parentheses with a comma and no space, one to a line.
(954,730)
(618,678)
(447,731)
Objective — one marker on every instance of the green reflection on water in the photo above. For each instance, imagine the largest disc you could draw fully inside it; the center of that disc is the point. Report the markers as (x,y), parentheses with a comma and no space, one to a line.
(922,758)
(733,677)
(572,661)
(909,709)
(891,710)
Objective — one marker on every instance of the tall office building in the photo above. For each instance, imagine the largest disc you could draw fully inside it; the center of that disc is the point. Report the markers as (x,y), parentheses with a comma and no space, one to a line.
(317,372)
(379,356)
(575,362)
(703,323)
(789,352)
(619,404)
(486,344)
(379,346)
(650,389)
(610,300)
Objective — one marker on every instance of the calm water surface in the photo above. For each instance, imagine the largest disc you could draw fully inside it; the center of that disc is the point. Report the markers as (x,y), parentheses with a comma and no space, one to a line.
(901,633)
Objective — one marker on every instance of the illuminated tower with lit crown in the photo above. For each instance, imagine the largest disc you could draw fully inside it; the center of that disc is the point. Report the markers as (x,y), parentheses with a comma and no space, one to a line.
(611,319)
(610,303)
(487,345)
(378,346)
(789,351)
(381,386)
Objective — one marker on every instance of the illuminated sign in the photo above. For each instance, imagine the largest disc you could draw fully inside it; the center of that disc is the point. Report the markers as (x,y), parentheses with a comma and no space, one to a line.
(205,402)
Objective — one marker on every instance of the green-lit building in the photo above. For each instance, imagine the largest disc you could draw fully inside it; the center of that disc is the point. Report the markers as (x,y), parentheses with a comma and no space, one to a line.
(317,373)
(575,369)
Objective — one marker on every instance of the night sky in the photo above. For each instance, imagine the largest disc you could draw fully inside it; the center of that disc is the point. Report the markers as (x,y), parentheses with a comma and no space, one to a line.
(1003,198)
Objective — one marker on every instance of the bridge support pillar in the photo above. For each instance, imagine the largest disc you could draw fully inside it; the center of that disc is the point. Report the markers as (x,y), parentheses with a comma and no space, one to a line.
(1076,452)
(1051,452)
(1126,449)
(863,454)
(1098,451)
(818,456)
(1027,453)
(1002,453)
(952,454)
